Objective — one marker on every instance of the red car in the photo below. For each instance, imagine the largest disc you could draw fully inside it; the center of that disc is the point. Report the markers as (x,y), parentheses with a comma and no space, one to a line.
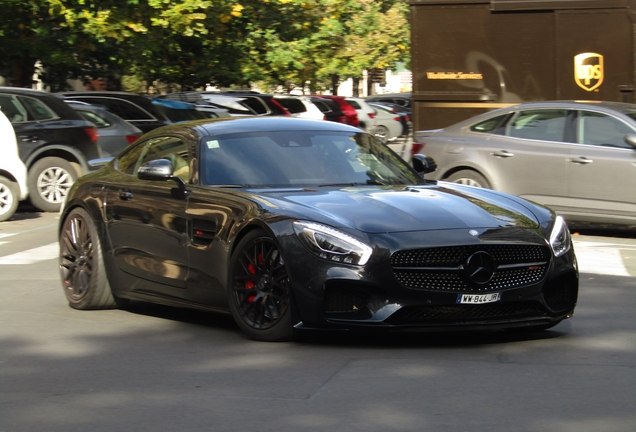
(349,111)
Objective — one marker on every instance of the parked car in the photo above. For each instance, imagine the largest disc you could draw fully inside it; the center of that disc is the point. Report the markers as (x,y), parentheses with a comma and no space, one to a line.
(177,111)
(211,111)
(135,109)
(577,158)
(115,133)
(236,103)
(54,142)
(291,224)
(330,109)
(366,113)
(404,99)
(13,172)
(389,125)
(351,115)
(403,113)
(274,108)
(300,106)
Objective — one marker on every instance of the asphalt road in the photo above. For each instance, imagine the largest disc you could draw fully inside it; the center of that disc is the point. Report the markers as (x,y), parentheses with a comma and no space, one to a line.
(162,369)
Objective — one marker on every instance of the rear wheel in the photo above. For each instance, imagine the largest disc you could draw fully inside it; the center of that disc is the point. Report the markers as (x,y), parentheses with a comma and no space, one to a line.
(469,178)
(50,179)
(260,290)
(382,133)
(9,198)
(82,265)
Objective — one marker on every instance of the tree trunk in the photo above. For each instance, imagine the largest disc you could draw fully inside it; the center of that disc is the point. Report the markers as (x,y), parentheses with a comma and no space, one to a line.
(356,86)
(335,81)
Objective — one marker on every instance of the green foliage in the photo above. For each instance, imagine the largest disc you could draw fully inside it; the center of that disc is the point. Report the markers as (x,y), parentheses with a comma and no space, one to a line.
(186,44)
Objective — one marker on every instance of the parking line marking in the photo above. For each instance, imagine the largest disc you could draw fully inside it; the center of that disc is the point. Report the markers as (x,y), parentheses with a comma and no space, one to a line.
(599,259)
(33,256)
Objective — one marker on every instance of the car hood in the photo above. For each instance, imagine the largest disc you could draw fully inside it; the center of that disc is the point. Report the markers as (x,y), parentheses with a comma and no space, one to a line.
(401,209)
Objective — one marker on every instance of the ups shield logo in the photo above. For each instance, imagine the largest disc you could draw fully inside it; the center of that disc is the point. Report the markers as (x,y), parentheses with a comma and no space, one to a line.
(588,71)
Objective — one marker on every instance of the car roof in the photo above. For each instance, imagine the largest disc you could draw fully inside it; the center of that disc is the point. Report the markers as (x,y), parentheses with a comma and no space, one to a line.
(257,124)
(576,104)
(28,92)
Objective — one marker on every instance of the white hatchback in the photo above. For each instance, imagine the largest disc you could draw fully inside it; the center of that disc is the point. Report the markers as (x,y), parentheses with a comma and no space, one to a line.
(13,172)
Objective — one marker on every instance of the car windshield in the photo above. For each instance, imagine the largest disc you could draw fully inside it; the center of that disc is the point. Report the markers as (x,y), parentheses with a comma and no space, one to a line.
(301,158)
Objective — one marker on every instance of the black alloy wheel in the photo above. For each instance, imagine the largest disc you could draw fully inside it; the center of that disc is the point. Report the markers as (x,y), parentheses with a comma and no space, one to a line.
(82,265)
(260,289)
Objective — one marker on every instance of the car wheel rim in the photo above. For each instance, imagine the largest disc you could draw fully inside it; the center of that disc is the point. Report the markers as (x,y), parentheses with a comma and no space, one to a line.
(76,257)
(261,288)
(6,199)
(381,133)
(53,184)
(468,182)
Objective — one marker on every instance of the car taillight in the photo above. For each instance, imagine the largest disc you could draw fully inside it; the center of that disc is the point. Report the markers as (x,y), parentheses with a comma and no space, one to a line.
(407,118)
(324,117)
(131,138)
(92,133)
(416,147)
(371,115)
(398,119)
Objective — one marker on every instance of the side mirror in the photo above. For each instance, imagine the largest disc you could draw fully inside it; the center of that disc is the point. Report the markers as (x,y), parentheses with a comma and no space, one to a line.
(423,164)
(631,140)
(101,162)
(162,170)
(159,169)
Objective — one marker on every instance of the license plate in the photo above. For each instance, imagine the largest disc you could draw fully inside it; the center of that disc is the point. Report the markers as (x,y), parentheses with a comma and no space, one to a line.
(478,298)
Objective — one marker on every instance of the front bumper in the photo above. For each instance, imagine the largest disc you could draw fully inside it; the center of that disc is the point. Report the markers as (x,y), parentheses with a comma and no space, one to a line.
(330,295)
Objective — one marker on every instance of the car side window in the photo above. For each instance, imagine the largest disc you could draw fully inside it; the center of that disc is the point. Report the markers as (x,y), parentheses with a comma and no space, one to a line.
(11,108)
(96,119)
(602,130)
(495,125)
(120,107)
(36,109)
(541,124)
(171,148)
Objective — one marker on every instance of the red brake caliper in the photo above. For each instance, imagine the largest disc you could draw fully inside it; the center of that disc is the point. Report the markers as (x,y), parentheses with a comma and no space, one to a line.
(248,283)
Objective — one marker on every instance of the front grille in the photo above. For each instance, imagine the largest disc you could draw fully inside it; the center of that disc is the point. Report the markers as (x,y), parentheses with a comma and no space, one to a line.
(465,313)
(444,268)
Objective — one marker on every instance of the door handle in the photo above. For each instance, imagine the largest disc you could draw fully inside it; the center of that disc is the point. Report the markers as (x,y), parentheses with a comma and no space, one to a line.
(125,195)
(582,160)
(503,153)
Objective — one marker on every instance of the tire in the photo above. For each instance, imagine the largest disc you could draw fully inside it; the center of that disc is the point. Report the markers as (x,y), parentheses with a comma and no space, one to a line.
(82,270)
(469,178)
(259,289)
(382,133)
(50,179)
(9,198)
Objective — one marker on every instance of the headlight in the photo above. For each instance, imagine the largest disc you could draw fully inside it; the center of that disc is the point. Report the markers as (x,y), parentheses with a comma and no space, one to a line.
(331,244)
(560,237)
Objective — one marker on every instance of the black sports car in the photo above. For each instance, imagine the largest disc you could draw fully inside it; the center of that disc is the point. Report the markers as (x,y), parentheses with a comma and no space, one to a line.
(292,224)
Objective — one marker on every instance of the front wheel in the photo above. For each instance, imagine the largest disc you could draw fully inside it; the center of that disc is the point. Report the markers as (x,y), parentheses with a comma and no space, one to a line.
(259,291)
(50,179)
(82,267)
(9,198)
(469,178)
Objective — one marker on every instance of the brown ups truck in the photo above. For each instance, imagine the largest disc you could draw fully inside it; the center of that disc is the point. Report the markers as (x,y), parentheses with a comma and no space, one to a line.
(470,56)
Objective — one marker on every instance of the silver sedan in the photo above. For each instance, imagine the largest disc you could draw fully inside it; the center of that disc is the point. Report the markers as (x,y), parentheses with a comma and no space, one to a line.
(577,158)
